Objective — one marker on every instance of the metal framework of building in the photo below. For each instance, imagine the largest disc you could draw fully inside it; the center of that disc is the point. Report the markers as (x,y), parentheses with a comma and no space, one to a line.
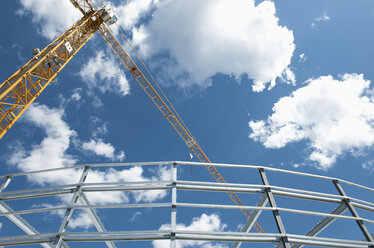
(269,197)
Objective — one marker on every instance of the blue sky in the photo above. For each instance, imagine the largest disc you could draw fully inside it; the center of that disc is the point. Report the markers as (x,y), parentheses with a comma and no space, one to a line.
(286,84)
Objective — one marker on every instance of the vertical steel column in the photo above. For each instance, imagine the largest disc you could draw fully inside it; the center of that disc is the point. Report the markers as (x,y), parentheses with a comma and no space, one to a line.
(277,217)
(69,211)
(354,213)
(173,207)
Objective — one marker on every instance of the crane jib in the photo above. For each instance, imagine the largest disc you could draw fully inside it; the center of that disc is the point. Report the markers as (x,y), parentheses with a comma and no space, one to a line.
(26,84)
(168,113)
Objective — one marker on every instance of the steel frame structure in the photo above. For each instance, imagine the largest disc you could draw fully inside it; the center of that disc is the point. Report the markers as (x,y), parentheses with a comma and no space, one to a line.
(267,202)
(24,86)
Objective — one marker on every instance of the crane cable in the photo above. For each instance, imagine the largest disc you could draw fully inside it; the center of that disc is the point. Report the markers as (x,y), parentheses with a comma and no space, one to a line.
(171,105)
(100,3)
(154,80)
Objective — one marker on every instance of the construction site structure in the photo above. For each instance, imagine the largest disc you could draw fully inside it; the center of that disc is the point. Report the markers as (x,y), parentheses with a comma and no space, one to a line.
(25,85)
(339,214)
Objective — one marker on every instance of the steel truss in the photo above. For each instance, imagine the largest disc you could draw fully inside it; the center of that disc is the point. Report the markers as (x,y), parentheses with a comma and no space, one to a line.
(269,193)
(26,84)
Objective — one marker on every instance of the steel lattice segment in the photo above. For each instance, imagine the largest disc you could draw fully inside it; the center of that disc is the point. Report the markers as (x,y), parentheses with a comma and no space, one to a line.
(354,213)
(277,217)
(95,219)
(254,216)
(81,194)
(25,85)
(69,211)
(84,6)
(317,229)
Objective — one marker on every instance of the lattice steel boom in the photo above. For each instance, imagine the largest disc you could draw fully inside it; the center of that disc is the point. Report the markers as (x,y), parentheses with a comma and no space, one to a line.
(24,86)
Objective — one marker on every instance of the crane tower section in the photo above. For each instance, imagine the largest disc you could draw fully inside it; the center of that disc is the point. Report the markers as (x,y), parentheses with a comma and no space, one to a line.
(26,84)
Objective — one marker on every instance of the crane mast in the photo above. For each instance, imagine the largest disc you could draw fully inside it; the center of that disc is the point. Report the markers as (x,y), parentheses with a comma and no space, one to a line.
(25,85)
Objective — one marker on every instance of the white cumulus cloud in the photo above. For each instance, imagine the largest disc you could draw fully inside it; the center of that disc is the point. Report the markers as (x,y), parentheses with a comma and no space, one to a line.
(52,152)
(133,174)
(102,72)
(130,12)
(199,39)
(101,148)
(206,223)
(51,17)
(334,116)
(126,175)
(80,220)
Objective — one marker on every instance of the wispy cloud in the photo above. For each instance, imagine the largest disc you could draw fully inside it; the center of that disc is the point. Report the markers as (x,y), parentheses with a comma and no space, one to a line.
(369,166)
(135,215)
(302,57)
(19,48)
(98,126)
(76,95)
(323,18)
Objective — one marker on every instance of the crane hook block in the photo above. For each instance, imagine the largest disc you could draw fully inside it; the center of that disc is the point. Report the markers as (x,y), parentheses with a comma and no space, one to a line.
(108,16)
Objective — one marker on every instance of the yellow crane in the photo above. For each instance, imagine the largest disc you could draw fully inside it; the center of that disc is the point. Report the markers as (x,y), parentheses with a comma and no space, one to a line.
(25,85)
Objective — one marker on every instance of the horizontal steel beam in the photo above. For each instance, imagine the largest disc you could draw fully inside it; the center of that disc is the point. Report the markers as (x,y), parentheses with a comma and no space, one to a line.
(311,238)
(197,205)
(182,235)
(164,163)
(49,209)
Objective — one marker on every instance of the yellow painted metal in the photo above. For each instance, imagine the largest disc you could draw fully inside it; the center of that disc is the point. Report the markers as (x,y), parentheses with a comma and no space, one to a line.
(85,6)
(26,84)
